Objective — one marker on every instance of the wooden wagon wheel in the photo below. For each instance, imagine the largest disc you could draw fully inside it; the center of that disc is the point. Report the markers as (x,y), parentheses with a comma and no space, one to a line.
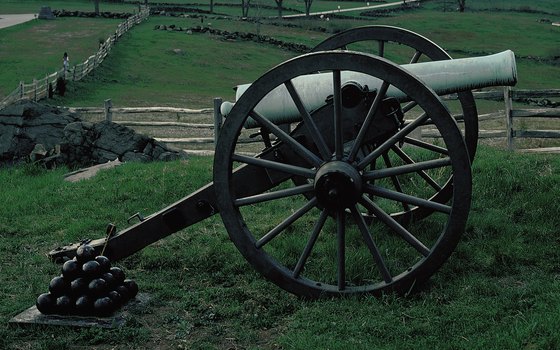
(412,48)
(319,244)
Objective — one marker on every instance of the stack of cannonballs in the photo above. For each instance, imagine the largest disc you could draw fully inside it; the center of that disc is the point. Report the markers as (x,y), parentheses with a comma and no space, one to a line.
(88,286)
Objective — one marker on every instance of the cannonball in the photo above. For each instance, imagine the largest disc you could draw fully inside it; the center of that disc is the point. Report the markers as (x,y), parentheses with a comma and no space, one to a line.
(46,303)
(132,288)
(124,292)
(104,262)
(116,297)
(58,286)
(71,269)
(118,274)
(110,279)
(85,253)
(103,306)
(79,286)
(97,287)
(64,305)
(91,269)
(84,305)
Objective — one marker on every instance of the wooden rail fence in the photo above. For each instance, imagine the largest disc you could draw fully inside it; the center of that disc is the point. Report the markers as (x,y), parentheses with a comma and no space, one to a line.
(507,95)
(39,88)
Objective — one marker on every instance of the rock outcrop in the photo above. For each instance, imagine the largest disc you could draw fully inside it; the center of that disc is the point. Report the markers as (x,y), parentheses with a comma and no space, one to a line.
(31,131)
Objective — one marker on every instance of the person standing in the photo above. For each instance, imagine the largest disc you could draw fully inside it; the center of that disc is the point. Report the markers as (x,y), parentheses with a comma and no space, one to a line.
(65,62)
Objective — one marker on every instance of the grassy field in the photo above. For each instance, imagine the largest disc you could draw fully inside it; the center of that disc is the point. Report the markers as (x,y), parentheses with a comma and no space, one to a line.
(33,49)
(189,70)
(34,6)
(500,289)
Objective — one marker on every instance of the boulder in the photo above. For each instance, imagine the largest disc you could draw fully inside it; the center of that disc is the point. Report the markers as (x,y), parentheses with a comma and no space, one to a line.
(46,13)
(31,131)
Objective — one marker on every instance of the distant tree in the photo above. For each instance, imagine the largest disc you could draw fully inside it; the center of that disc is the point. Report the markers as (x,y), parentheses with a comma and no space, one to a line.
(461,5)
(245,7)
(308,6)
(279,4)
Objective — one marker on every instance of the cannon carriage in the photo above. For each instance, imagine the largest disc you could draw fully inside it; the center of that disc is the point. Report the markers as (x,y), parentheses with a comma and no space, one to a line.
(348,201)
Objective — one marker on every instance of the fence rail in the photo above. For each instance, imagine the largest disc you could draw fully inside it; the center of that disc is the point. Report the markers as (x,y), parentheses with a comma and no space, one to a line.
(511,113)
(506,132)
(39,88)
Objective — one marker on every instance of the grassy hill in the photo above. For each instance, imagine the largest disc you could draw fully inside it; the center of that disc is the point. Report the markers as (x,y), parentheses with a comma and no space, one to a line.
(157,67)
(499,290)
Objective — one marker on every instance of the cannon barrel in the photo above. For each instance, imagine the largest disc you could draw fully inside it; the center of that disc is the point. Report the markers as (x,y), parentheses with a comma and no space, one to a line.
(444,77)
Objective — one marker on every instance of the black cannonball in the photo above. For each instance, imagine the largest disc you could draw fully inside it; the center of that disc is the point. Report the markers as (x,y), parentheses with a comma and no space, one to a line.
(124,292)
(79,286)
(132,288)
(46,303)
(58,286)
(85,253)
(64,305)
(97,287)
(91,269)
(71,269)
(84,305)
(104,262)
(118,274)
(116,297)
(110,279)
(103,306)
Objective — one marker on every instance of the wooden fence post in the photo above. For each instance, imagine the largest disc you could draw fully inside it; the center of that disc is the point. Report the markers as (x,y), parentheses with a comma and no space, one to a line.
(509,117)
(108,112)
(218,118)
(21,90)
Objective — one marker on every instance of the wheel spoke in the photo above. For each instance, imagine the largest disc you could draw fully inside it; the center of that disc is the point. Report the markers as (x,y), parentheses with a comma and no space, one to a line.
(391,141)
(407,107)
(395,180)
(309,246)
(395,226)
(308,122)
(337,103)
(416,57)
(341,248)
(426,145)
(285,168)
(421,171)
(282,135)
(268,196)
(287,222)
(367,122)
(407,168)
(405,198)
(371,245)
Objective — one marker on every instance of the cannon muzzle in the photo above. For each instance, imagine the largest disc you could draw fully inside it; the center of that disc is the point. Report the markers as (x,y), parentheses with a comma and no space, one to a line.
(444,77)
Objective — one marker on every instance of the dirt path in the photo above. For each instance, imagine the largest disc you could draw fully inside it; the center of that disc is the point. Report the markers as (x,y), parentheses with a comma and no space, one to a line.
(12,20)
(368,7)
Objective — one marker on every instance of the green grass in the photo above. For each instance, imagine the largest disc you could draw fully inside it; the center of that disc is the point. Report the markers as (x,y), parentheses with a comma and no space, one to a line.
(34,6)
(34,49)
(500,289)
(190,70)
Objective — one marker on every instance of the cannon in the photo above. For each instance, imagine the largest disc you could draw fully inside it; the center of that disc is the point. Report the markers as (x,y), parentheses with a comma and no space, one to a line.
(347,199)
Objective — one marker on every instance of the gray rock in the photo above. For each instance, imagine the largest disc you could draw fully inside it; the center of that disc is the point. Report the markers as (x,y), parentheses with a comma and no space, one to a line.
(65,139)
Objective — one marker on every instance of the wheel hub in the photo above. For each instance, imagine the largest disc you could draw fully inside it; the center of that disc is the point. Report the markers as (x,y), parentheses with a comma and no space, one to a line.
(338,185)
